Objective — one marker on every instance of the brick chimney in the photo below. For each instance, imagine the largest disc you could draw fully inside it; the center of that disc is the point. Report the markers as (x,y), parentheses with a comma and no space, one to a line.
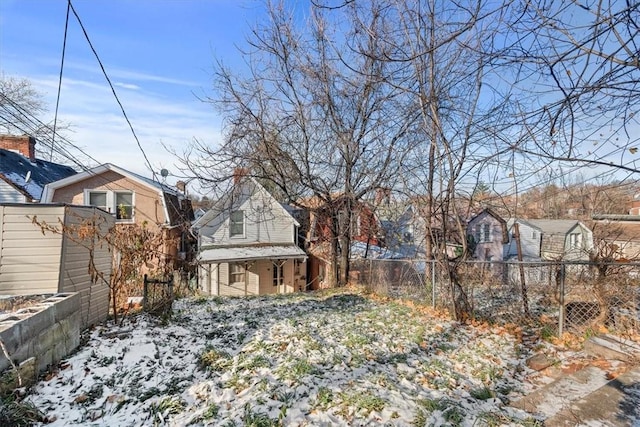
(383,196)
(25,145)
(238,174)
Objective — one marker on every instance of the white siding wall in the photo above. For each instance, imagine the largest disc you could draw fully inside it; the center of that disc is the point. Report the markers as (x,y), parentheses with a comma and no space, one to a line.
(265,222)
(223,287)
(530,245)
(33,262)
(29,259)
(8,194)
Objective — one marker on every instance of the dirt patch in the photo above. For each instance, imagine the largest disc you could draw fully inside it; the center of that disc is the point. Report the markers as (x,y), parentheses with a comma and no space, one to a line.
(12,304)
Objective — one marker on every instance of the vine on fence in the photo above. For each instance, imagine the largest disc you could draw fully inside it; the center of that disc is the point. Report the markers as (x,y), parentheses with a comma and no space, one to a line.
(135,249)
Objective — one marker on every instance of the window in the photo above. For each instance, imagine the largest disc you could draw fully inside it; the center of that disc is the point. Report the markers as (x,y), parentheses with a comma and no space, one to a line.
(124,205)
(98,199)
(118,203)
(575,240)
(236,273)
(482,233)
(278,273)
(534,234)
(236,224)
(486,228)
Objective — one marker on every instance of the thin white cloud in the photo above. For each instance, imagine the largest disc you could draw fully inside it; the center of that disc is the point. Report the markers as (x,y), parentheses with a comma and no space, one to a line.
(123,74)
(127,86)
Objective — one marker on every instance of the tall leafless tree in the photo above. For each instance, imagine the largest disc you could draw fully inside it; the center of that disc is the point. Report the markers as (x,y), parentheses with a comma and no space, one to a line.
(444,52)
(315,114)
(579,81)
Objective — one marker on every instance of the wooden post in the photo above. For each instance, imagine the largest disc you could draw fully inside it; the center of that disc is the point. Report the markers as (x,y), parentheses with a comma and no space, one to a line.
(144,292)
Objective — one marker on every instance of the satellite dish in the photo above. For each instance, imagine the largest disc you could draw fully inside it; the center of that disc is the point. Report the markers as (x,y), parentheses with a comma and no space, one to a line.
(164,173)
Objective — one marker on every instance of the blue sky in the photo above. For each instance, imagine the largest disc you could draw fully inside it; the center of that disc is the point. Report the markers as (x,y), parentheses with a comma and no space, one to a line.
(158,54)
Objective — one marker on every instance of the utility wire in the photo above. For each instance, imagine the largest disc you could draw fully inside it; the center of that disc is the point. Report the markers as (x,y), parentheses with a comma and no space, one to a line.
(113,90)
(64,48)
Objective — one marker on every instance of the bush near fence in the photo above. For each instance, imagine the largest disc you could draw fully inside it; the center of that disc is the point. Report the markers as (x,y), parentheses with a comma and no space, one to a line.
(578,297)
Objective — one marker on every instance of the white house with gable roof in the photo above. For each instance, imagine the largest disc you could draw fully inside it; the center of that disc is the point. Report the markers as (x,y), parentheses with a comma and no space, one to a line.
(247,244)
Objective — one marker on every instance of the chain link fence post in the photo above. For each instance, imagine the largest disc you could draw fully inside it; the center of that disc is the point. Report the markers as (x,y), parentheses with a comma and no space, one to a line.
(562,291)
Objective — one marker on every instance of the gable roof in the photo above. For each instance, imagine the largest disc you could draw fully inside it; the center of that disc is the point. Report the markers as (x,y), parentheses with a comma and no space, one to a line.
(222,205)
(526,222)
(172,199)
(30,178)
(555,226)
(492,213)
(501,221)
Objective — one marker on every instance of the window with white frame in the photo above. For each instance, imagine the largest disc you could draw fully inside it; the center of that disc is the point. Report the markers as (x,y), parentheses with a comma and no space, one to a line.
(575,241)
(236,224)
(278,273)
(483,233)
(236,273)
(118,203)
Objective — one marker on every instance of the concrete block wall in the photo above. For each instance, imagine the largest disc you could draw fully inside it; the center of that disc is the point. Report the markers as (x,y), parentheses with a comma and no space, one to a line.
(47,332)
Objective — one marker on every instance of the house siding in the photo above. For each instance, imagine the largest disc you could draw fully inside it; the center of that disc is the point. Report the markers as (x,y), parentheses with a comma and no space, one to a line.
(8,194)
(530,246)
(76,259)
(148,205)
(259,279)
(33,262)
(265,221)
(29,260)
(492,250)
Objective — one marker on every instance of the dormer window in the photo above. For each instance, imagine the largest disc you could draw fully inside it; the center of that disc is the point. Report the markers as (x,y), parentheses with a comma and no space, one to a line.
(236,224)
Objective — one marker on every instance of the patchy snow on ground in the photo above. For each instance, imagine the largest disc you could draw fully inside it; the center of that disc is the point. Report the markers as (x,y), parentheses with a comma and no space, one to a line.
(305,359)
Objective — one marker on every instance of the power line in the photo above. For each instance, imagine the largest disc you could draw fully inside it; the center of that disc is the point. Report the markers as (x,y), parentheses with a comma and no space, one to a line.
(64,48)
(113,90)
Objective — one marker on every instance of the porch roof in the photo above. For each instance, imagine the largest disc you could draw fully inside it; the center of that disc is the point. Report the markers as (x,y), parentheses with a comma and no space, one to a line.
(250,253)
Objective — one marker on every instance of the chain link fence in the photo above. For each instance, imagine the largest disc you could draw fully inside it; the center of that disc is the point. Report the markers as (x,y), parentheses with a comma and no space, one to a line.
(577,297)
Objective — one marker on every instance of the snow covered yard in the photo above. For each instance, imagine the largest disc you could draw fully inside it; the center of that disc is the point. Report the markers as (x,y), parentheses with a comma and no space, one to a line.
(330,358)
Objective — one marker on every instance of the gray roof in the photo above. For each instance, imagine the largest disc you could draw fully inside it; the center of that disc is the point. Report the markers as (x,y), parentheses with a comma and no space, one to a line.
(15,168)
(511,221)
(554,226)
(250,253)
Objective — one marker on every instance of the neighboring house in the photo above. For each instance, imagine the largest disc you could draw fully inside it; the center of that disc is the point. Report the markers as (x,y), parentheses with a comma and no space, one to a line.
(405,233)
(621,234)
(247,244)
(363,227)
(22,175)
(33,261)
(565,239)
(530,240)
(487,234)
(493,238)
(131,199)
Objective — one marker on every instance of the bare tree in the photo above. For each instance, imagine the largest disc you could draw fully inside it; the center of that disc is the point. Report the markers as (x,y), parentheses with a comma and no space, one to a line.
(314,115)
(579,80)
(22,111)
(446,54)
